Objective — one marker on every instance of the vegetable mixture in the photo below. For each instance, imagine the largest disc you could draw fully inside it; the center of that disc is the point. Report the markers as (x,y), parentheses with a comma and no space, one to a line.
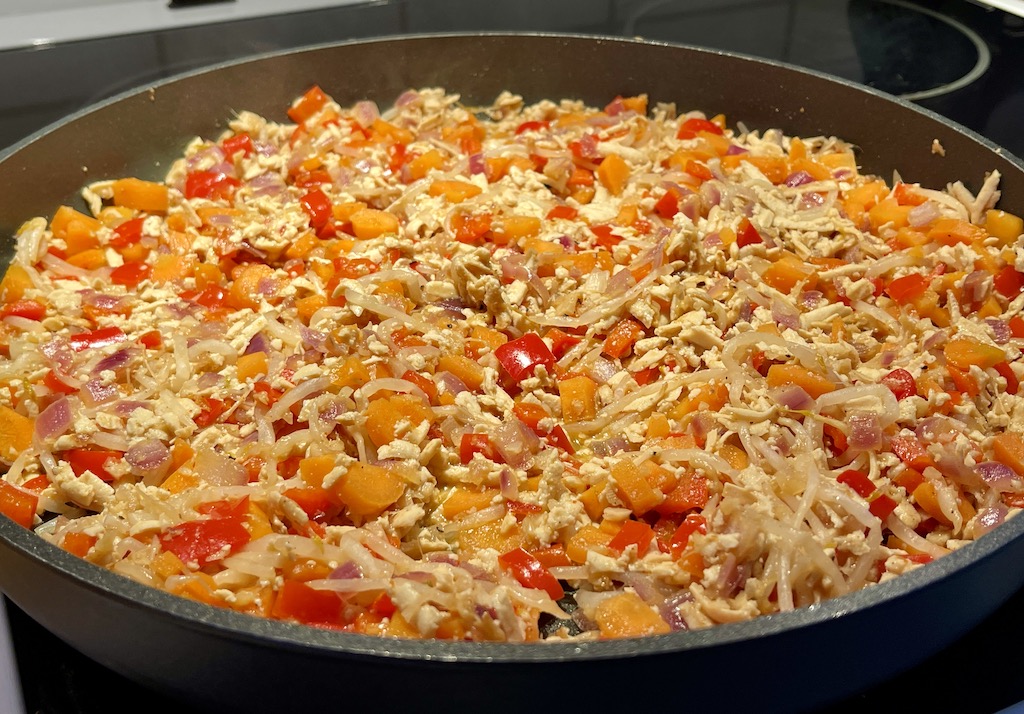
(513,372)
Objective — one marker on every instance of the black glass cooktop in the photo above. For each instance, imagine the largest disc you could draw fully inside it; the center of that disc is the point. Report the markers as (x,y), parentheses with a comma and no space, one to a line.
(956,58)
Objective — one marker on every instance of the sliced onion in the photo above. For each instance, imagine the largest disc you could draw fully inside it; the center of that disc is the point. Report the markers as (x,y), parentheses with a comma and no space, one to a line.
(988,518)
(784,314)
(218,470)
(114,362)
(798,178)
(55,420)
(516,442)
(997,475)
(1000,330)
(923,214)
(295,395)
(669,609)
(365,113)
(148,457)
(258,343)
(59,353)
(346,571)
(95,392)
(609,447)
(793,397)
(865,432)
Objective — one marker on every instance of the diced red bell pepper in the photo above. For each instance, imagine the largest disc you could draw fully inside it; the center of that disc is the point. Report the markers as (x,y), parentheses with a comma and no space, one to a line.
(1016,326)
(206,540)
(130,274)
(552,556)
(905,195)
(532,126)
(520,510)
(239,142)
(530,414)
(521,356)
(693,523)
(210,184)
(668,205)
(901,383)
(622,337)
(210,412)
(635,533)
(309,104)
(478,444)
(561,342)
(689,128)
(881,506)
(18,504)
(27,309)
(317,503)
(1008,282)
(691,492)
(54,383)
(562,211)
(94,460)
(585,148)
(1007,373)
(746,234)
(299,602)
(559,439)
(102,337)
(127,233)
(904,290)
(530,573)
(858,481)
(698,170)
(838,438)
(317,206)
(911,452)
(151,340)
(604,237)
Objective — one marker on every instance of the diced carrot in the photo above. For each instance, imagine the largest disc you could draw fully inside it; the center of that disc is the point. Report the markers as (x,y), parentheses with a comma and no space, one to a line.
(141,195)
(454,191)
(171,268)
(14,284)
(814,384)
(927,498)
(78,543)
(424,163)
(384,417)
(633,488)
(1008,449)
(512,228)
(15,433)
(964,353)
(789,271)
(180,480)
(367,490)
(1005,226)
(371,223)
(351,373)
(950,231)
(578,396)
(584,540)
(461,499)
(626,615)
(470,372)
(65,215)
(92,259)
(251,366)
(594,501)
(888,212)
(613,173)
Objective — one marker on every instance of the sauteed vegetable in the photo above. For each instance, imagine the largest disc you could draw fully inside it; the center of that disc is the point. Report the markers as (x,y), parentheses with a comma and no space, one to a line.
(513,372)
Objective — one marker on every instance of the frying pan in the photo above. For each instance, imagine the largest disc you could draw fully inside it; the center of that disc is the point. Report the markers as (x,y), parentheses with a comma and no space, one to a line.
(229,661)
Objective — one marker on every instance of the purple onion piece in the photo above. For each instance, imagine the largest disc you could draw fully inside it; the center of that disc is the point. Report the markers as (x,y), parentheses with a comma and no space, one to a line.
(989,518)
(258,343)
(114,362)
(477,165)
(794,397)
(59,353)
(798,178)
(95,392)
(785,315)
(735,149)
(149,456)
(865,432)
(997,475)
(1000,330)
(54,420)
(346,571)
(670,610)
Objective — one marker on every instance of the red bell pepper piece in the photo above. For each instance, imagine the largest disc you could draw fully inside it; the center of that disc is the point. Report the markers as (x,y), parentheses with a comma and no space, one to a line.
(309,104)
(520,510)
(901,383)
(17,504)
(620,340)
(689,128)
(239,142)
(521,356)
(530,573)
(95,460)
(905,289)
(635,533)
(297,601)
(698,170)
(478,444)
(858,481)
(27,309)
(102,337)
(1007,373)
(746,234)
(318,207)
(127,233)
(210,184)
(130,274)
(693,523)
(562,211)
(561,342)
(911,452)
(206,540)
(532,126)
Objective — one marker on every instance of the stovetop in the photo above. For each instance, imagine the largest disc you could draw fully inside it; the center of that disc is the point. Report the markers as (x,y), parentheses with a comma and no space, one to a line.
(957,58)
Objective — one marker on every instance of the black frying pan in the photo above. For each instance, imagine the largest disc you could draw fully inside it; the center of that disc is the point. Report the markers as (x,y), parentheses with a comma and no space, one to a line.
(221,659)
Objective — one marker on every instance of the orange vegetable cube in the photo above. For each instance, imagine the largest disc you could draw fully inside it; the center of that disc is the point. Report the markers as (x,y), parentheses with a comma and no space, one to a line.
(251,366)
(579,398)
(15,433)
(1005,226)
(613,173)
(367,490)
(424,163)
(14,284)
(371,223)
(964,353)
(626,615)
(461,499)
(584,540)
(788,272)
(950,231)
(470,372)
(814,384)
(1008,449)
(141,195)
(633,488)
(387,419)
(454,191)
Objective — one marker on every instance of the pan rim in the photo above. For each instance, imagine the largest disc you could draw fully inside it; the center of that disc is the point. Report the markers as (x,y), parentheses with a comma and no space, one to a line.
(277,634)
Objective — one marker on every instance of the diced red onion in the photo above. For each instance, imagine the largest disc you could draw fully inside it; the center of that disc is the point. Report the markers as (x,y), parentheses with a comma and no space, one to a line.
(794,397)
(997,475)
(515,442)
(313,338)
(54,420)
(406,98)
(258,343)
(712,240)
(346,571)
(567,243)
(602,370)
(611,446)
(923,214)
(509,484)
(811,200)
(798,178)
(990,517)
(785,315)
(107,303)
(619,283)
(126,406)
(365,113)
(810,299)
(149,456)
(95,392)
(1000,330)
(977,286)
(865,432)
(59,353)
(114,361)
(710,194)
(935,430)
(670,610)
(691,206)
(477,165)
(450,383)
